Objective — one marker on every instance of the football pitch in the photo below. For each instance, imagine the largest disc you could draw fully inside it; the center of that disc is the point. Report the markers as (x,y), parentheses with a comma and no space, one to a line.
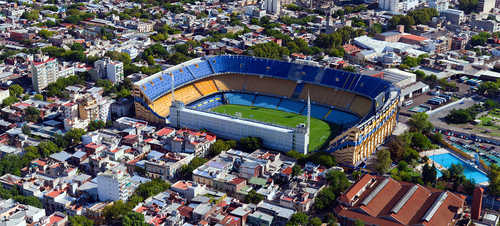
(321,131)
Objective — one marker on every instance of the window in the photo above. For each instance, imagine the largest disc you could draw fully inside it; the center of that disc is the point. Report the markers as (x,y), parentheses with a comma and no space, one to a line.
(143,87)
(196,65)
(161,79)
(180,69)
(151,82)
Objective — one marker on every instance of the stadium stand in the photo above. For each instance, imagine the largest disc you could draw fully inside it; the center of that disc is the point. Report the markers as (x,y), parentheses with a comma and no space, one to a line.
(209,102)
(187,94)
(206,86)
(162,105)
(200,69)
(240,98)
(230,82)
(361,105)
(340,117)
(266,102)
(291,106)
(270,86)
(317,111)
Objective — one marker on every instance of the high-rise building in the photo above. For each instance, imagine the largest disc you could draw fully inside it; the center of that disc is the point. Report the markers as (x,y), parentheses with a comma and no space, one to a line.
(114,185)
(391,5)
(485,6)
(273,6)
(45,70)
(108,69)
(439,5)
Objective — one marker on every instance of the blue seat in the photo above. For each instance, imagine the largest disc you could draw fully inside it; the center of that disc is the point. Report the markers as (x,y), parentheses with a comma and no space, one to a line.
(340,117)
(317,111)
(240,98)
(208,103)
(291,106)
(266,102)
(202,70)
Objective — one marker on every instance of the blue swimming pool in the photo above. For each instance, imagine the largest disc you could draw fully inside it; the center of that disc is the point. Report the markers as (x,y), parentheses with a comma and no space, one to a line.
(470,172)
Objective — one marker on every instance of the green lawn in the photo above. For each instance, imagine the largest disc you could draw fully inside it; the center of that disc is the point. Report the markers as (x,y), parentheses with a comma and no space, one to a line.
(321,131)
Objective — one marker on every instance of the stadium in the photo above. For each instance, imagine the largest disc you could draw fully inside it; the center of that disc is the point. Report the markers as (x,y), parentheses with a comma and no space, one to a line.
(361,111)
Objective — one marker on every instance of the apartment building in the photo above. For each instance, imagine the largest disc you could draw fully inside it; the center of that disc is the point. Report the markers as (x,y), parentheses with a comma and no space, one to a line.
(108,69)
(114,185)
(45,70)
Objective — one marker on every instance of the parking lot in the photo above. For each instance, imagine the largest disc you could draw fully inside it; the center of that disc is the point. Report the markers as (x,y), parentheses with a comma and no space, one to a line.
(488,151)
(422,99)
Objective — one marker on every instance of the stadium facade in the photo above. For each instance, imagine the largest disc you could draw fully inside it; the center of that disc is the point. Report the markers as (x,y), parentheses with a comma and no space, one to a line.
(367,108)
(274,136)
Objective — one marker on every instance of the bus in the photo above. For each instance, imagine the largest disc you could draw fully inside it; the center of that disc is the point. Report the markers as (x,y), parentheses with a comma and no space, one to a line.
(407,103)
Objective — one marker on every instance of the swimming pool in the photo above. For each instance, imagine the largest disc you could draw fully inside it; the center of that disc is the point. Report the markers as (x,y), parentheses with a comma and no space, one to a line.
(470,172)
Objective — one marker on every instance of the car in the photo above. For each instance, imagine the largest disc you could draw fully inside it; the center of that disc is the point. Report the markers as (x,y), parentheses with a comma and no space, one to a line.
(455,135)
(492,147)
(448,137)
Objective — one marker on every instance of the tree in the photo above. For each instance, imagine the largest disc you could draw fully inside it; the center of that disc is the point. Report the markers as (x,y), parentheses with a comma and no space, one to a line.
(402,166)
(456,171)
(491,104)
(15,90)
(383,161)
(221,145)
(480,39)
(33,114)
(468,5)
(79,220)
(461,115)
(330,219)
(324,199)
(253,197)
(437,137)
(420,123)
(44,33)
(338,181)
(186,171)
(299,218)
(314,222)
(133,218)
(376,28)
(38,97)
(326,160)
(356,175)
(494,180)
(77,47)
(420,141)
(115,211)
(488,88)
(26,130)
(359,223)
(397,152)
(177,58)
(250,144)
(270,50)
(350,68)
(151,188)
(296,170)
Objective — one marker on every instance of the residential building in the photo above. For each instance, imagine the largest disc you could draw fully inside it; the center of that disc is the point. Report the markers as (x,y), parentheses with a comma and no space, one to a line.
(168,166)
(439,5)
(45,70)
(96,212)
(440,45)
(273,6)
(390,5)
(132,52)
(108,69)
(372,198)
(114,185)
(485,25)
(485,6)
(389,36)
(455,16)
(408,5)
(4,93)
(258,218)
(188,189)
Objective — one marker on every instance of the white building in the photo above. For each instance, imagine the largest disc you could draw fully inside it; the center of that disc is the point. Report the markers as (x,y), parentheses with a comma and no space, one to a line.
(4,93)
(485,6)
(391,5)
(114,185)
(45,70)
(408,5)
(70,110)
(108,69)
(273,136)
(273,6)
(439,5)
(132,52)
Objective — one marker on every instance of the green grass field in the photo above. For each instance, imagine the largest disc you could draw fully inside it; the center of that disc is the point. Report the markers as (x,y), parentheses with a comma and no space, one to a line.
(321,131)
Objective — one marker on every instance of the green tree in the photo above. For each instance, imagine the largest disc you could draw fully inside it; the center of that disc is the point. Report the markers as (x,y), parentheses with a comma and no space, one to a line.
(270,50)
(383,161)
(26,130)
(356,175)
(397,152)
(38,96)
(115,211)
(479,39)
(33,114)
(221,145)
(296,170)
(488,88)
(250,144)
(79,220)
(44,33)
(494,180)
(468,5)
(133,218)
(177,58)
(419,122)
(299,218)
(314,222)
(359,223)
(253,197)
(15,90)
(402,165)
(324,199)
(77,47)
(420,141)
(338,181)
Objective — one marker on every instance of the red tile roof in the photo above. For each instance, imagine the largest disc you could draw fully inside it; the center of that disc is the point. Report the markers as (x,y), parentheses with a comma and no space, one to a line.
(412,212)
(414,37)
(287,171)
(236,181)
(165,131)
